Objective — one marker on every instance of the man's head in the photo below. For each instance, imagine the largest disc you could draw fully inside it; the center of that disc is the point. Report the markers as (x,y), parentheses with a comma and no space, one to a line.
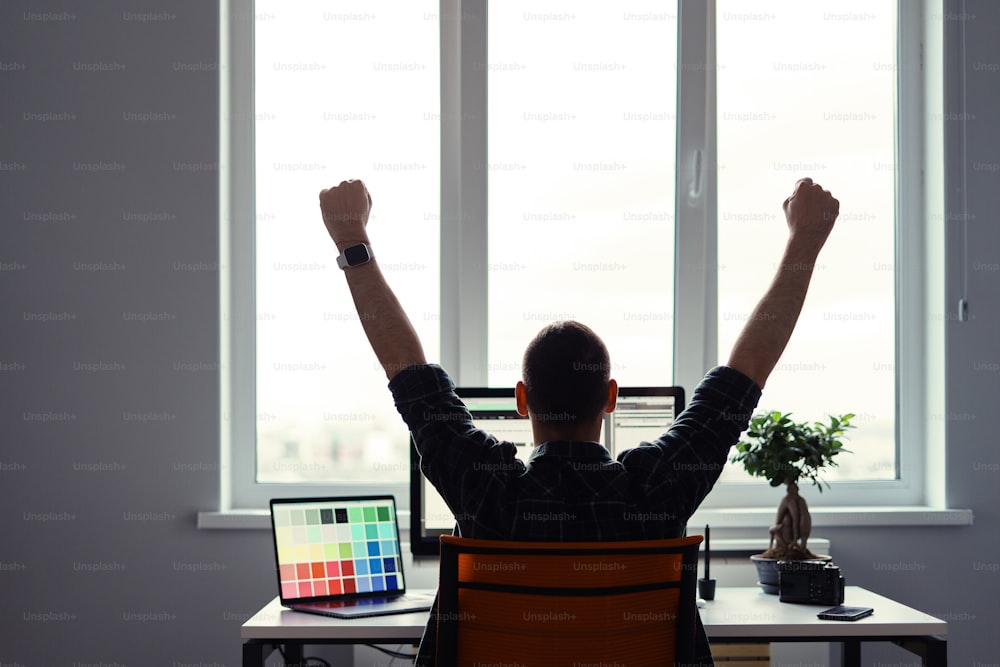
(566,381)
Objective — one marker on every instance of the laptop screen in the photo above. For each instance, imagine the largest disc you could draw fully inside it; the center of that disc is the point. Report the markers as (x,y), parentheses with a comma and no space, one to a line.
(336,546)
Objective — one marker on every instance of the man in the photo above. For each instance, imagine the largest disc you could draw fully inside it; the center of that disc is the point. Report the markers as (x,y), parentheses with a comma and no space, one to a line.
(571,489)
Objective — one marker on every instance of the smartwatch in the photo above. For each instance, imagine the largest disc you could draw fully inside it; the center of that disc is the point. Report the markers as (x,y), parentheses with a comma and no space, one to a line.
(355,255)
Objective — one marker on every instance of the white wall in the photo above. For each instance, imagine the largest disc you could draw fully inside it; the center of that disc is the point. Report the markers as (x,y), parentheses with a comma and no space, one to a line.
(109,355)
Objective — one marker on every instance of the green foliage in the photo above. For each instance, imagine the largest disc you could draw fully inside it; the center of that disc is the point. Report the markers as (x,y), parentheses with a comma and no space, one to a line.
(781,451)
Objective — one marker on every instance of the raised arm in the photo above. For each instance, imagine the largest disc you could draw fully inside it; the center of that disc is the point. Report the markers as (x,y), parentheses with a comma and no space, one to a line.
(345,213)
(810,213)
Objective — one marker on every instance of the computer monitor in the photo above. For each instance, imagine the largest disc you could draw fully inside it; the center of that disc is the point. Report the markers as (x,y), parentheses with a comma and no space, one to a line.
(642,413)
(494,411)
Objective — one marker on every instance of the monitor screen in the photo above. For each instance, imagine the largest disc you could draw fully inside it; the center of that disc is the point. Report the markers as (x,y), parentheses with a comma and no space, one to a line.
(642,413)
(492,410)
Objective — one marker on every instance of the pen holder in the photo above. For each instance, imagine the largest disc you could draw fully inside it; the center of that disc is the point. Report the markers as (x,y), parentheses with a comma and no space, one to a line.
(706,589)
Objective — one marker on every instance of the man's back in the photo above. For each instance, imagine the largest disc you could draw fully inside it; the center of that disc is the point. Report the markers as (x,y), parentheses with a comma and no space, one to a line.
(571,490)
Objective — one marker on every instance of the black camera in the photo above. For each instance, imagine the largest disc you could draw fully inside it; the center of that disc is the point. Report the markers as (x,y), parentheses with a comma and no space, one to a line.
(809,582)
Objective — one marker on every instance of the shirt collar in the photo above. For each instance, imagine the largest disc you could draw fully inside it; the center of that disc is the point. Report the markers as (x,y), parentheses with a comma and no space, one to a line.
(571,449)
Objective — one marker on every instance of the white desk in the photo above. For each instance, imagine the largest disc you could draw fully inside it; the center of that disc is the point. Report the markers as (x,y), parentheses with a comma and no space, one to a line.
(750,615)
(736,615)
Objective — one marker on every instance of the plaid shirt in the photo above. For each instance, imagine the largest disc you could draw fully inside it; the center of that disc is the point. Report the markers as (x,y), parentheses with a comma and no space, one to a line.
(571,491)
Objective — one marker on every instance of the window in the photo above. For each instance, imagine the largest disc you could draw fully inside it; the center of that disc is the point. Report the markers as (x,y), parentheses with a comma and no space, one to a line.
(582,126)
(340,92)
(800,103)
(568,179)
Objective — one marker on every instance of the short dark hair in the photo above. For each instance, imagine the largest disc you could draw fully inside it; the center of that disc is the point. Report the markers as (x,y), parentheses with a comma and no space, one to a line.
(566,369)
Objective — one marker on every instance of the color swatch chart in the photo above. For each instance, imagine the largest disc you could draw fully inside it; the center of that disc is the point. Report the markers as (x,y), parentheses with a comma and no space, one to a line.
(334,547)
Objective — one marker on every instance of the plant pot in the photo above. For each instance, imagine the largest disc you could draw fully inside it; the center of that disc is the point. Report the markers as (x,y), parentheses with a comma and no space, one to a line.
(767,572)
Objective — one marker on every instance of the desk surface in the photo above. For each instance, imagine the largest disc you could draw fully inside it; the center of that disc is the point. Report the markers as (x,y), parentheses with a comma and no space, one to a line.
(749,612)
(735,613)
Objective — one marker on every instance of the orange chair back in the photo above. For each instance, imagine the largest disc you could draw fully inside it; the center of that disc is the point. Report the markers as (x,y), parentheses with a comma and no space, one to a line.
(566,603)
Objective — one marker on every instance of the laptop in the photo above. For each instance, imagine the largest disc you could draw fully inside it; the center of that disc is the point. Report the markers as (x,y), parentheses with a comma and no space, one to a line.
(340,557)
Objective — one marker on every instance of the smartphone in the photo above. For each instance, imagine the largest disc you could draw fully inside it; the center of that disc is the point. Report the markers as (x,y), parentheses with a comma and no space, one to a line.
(843,613)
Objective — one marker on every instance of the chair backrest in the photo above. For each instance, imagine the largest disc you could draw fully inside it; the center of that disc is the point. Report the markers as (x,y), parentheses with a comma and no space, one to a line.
(566,603)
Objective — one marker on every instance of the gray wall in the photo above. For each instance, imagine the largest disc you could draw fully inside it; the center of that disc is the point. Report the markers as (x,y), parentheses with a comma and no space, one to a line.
(109,356)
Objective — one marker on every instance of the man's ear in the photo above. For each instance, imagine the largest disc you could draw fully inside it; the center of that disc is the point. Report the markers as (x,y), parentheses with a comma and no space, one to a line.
(521,396)
(612,396)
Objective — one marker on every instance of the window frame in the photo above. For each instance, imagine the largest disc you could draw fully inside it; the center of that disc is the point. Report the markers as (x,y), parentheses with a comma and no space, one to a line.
(463,29)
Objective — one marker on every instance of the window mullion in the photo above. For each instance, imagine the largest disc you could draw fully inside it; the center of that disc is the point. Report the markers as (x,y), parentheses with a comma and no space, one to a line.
(695,298)
(464,293)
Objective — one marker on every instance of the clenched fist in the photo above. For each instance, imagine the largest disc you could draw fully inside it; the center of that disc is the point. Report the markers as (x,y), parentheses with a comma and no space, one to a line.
(345,211)
(811,212)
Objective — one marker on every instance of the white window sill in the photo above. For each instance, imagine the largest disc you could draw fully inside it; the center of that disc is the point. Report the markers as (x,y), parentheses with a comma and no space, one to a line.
(752,517)
(836,517)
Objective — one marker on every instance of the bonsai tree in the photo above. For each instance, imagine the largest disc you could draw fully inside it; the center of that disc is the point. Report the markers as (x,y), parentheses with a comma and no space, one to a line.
(783,452)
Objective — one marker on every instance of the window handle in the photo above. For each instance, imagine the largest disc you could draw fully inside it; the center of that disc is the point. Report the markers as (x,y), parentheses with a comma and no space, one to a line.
(694,192)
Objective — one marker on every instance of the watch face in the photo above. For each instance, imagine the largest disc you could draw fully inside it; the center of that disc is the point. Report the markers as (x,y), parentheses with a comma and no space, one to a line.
(356,254)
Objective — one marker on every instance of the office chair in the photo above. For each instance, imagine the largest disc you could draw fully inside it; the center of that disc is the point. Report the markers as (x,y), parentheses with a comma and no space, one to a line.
(565,603)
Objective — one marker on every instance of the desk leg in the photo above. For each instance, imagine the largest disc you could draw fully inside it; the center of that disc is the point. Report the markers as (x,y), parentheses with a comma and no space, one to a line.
(255,652)
(851,656)
(932,650)
(295,655)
